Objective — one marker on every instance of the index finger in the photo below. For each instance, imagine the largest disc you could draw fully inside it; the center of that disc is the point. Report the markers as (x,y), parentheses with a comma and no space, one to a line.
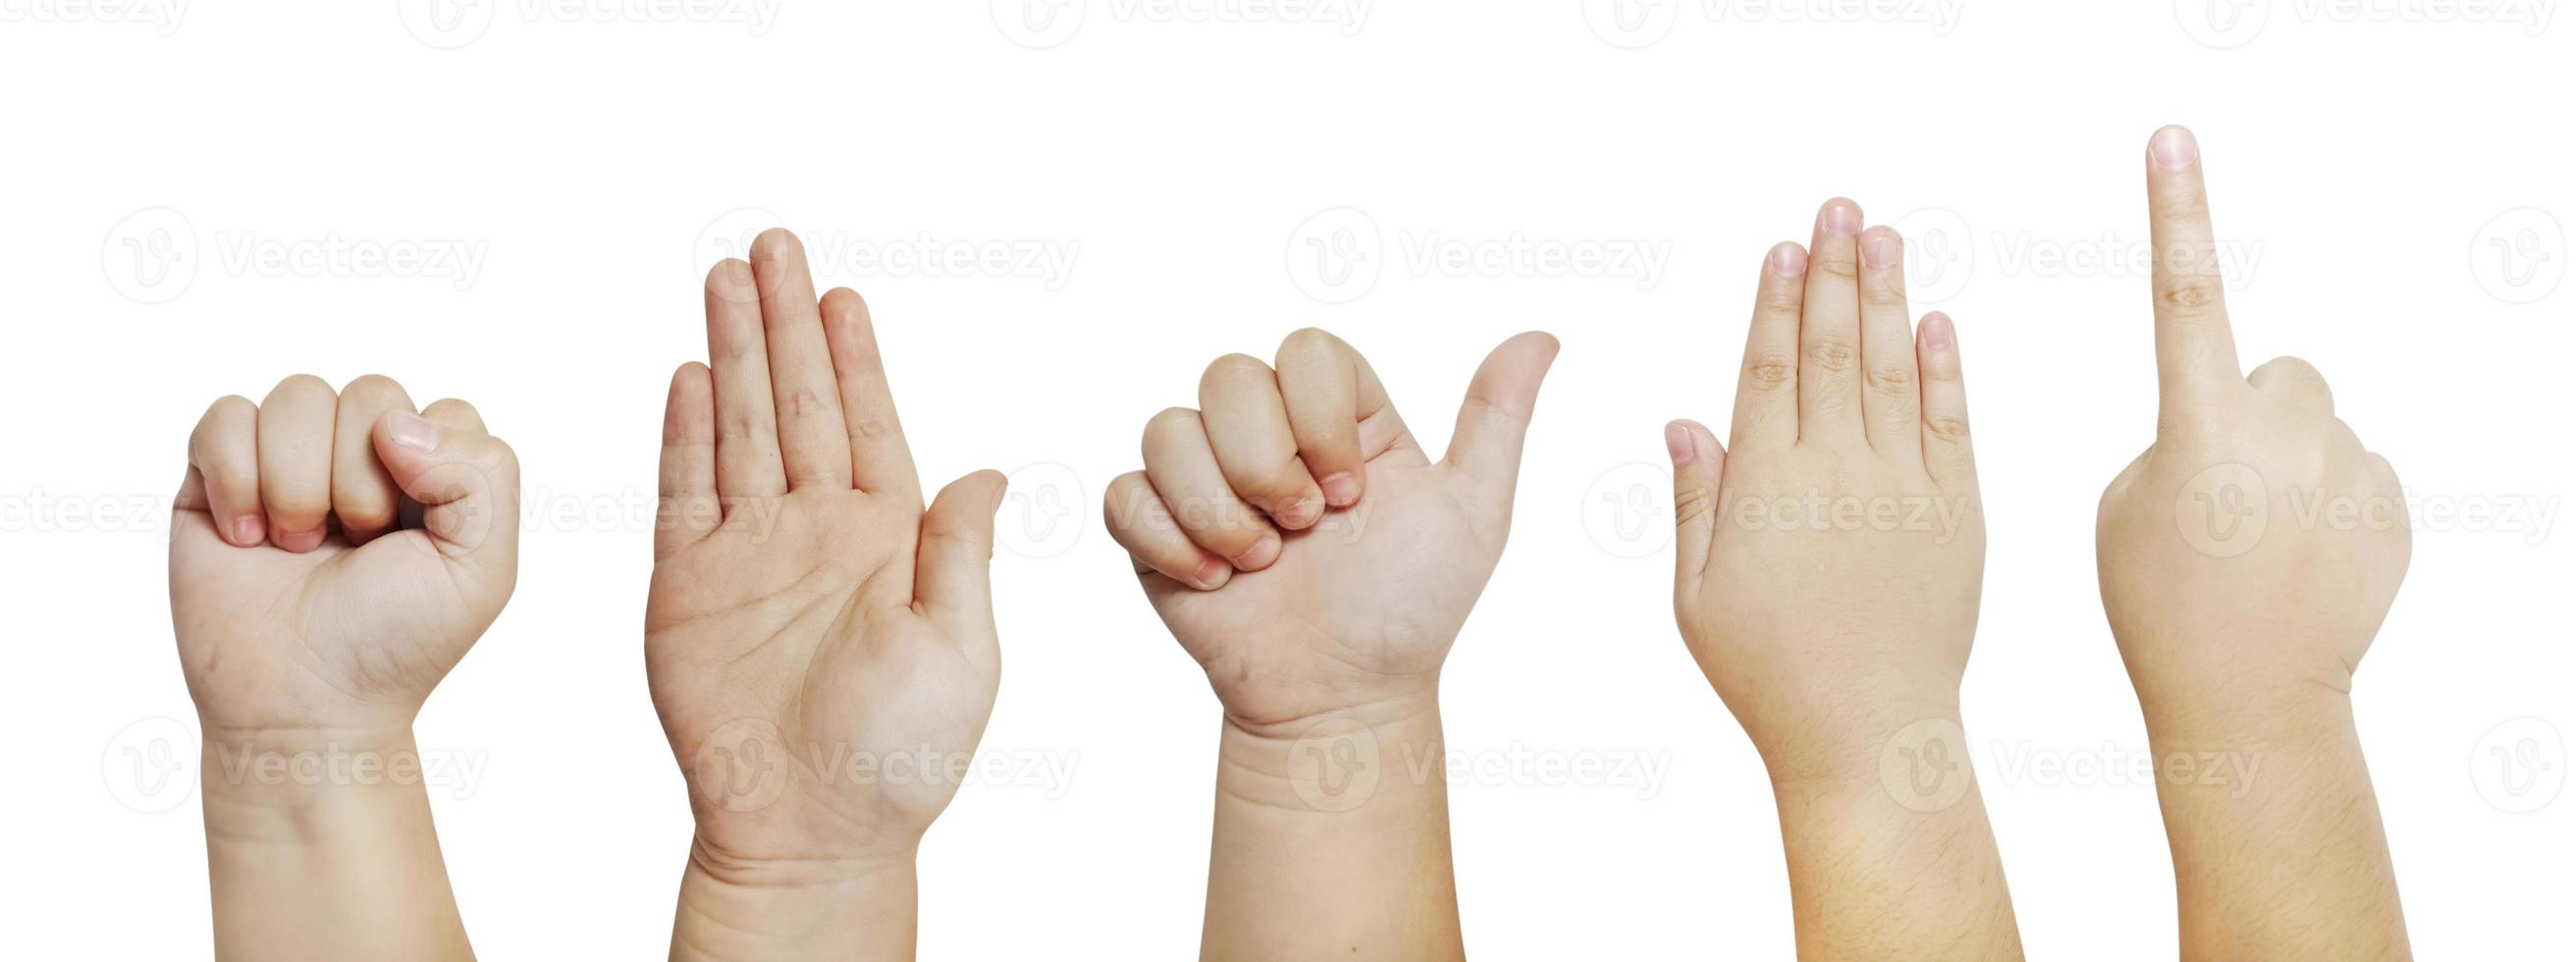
(2195,350)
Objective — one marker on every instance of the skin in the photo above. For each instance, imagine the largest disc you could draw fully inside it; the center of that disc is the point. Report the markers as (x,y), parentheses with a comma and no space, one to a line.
(1311,556)
(2248,558)
(1828,563)
(820,647)
(333,554)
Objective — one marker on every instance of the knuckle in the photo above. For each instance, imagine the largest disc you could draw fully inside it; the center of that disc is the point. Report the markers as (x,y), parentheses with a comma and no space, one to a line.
(1840,266)
(1691,503)
(1170,425)
(304,385)
(869,429)
(371,388)
(1896,381)
(1832,354)
(802,402)
(1950,428)
(1770,371)
(2190,297)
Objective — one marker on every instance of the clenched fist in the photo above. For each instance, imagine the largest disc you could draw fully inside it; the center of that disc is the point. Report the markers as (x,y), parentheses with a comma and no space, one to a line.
(334,554)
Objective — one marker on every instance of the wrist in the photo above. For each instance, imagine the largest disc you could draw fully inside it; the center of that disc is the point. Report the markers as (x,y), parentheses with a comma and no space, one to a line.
(1827,750)
(744,908)
(1368,755)
(297,784)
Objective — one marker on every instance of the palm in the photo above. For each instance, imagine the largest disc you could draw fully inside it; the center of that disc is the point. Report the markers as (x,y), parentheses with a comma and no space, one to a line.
(802,625)
(1366,601)
(335,637)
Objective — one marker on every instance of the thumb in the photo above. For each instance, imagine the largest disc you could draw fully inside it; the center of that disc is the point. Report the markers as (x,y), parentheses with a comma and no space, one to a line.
(1486,448)
(953,584)
(467,483)
(1699,463)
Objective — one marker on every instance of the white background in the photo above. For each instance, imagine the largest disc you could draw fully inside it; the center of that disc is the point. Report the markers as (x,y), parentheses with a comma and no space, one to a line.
(592,161)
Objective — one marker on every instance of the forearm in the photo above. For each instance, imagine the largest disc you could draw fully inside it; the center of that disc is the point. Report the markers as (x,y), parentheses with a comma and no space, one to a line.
(2277,846)
(736,910)
(320,845)
(1332,839)
(1890,854)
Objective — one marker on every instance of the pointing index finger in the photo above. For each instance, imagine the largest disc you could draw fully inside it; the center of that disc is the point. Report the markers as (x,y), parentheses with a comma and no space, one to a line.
(2195,349)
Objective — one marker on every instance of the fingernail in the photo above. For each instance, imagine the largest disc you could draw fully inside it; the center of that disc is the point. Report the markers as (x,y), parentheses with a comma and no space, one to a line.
(2174,148)
(1879,251)
(1677,439)
(1842,219)
(412,431)
(1212,573)
(1788,260)
(299,541)
(247,530)
(1936,330)
(1341,489)
(1263,552)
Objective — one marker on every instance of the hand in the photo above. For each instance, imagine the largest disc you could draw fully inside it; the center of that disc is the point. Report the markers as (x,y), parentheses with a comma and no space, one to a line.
(1828,568)
(333,555)
(1826,578)
(1300,543)
(2247,559)
(821,650)
(2252,551)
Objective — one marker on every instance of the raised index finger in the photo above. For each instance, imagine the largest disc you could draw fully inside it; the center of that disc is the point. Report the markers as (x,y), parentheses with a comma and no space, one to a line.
(2195,350)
